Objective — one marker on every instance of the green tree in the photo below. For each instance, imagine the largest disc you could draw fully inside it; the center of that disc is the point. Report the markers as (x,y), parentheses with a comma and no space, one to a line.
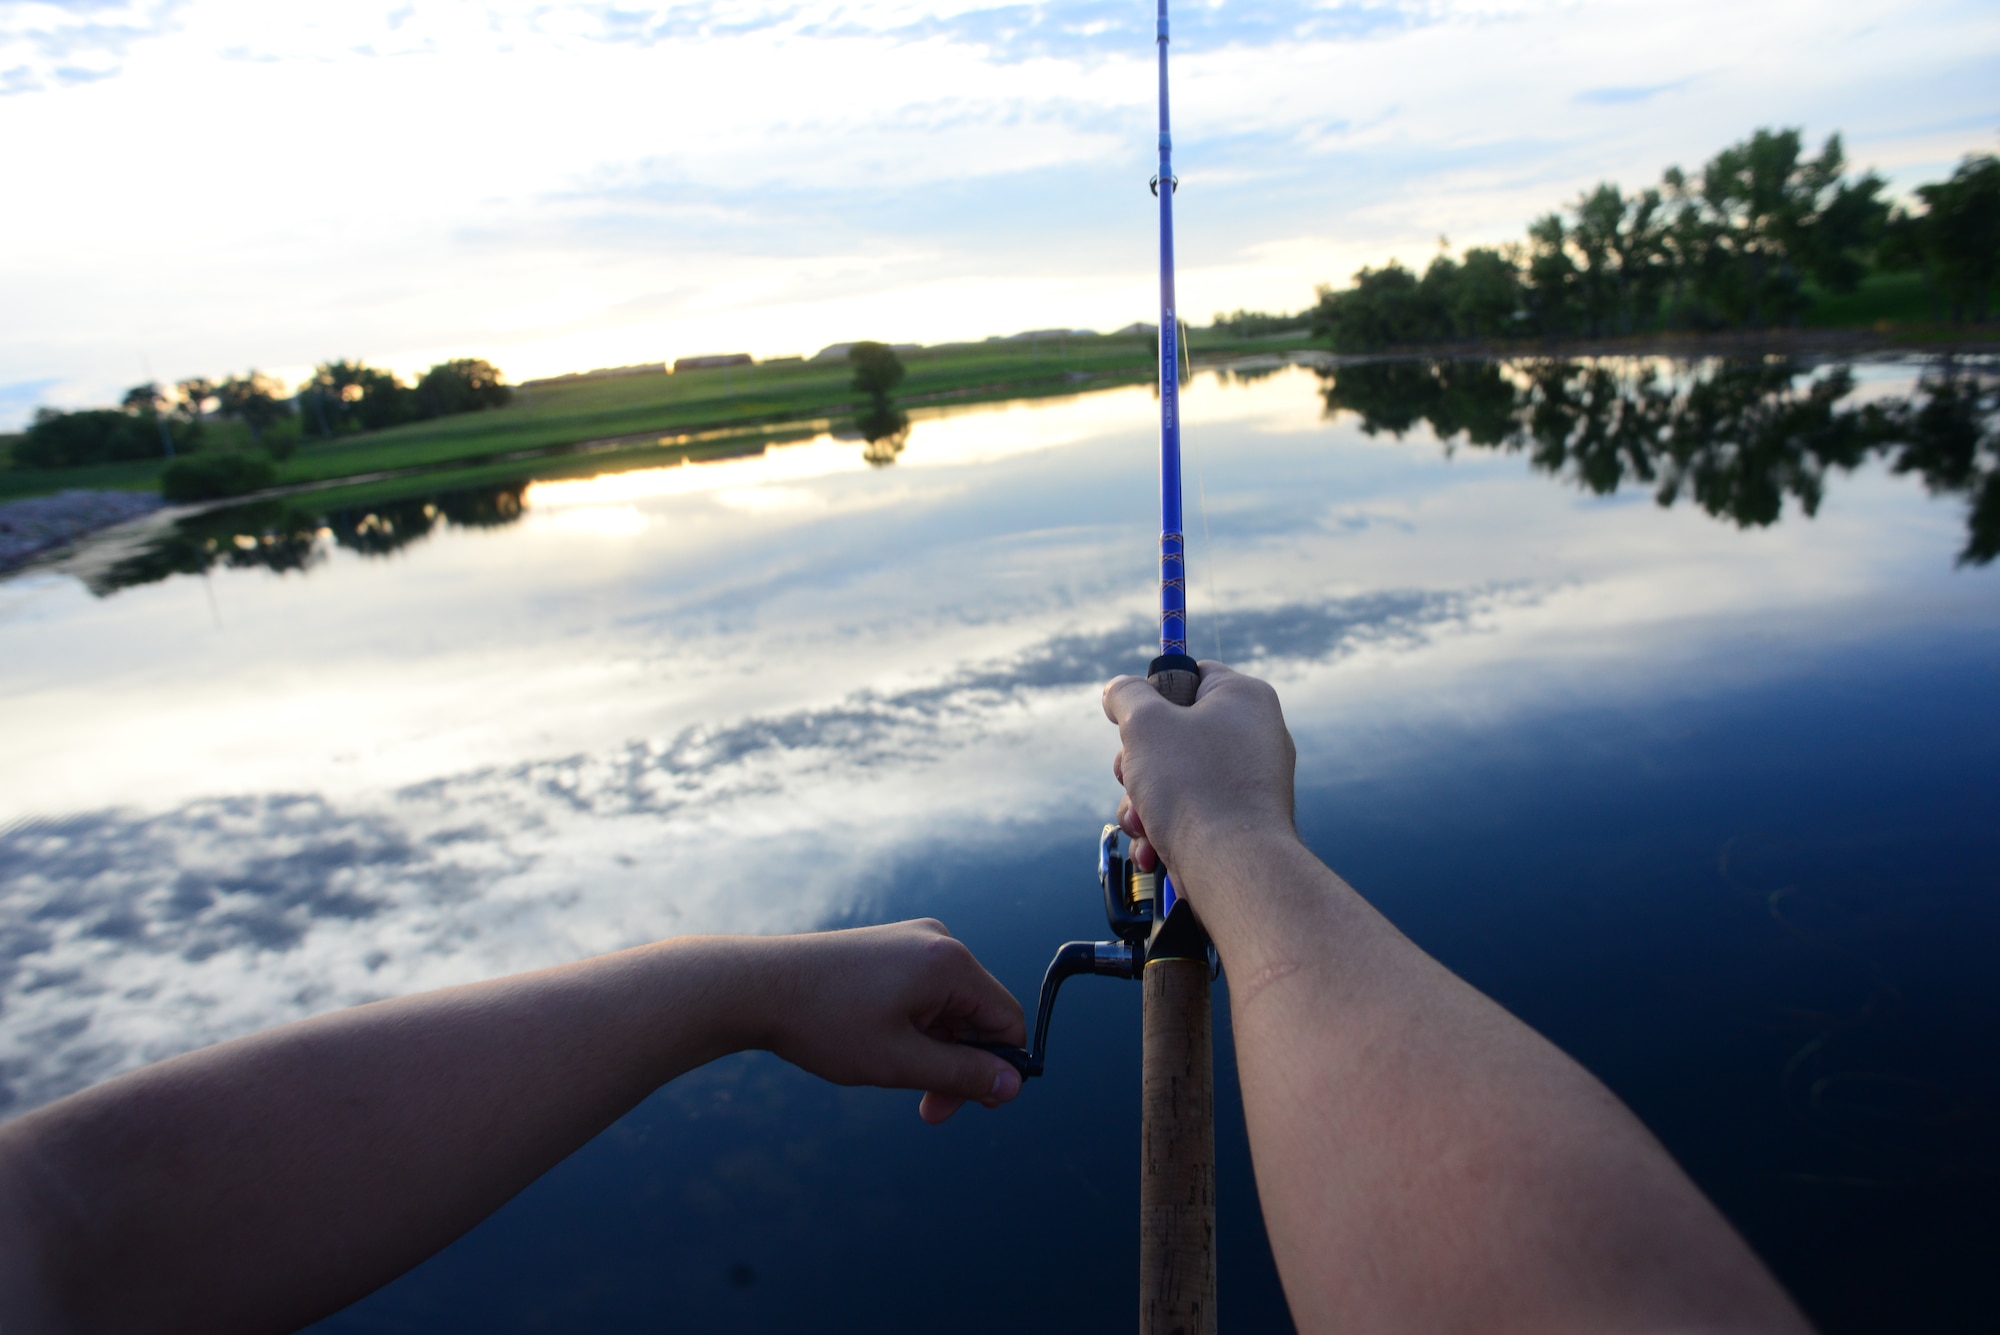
(147,402)
(1955,241)
(256,400)
(385,401)
(196,393)
(347,395)
(463,385)
(143,400)
(1619,244)
(1384,307)
(1486,302)
(877,370)
(1769,218)
(1552,281)
(1688,243)
(56,439)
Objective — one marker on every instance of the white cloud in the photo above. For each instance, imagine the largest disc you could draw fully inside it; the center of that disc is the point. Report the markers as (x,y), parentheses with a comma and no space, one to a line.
(214,183)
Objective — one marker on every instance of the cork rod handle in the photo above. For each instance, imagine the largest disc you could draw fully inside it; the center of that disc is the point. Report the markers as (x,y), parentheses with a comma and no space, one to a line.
(1177,1134)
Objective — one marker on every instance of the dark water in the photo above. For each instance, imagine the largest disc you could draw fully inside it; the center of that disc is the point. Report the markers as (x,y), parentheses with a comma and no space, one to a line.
(1709,794)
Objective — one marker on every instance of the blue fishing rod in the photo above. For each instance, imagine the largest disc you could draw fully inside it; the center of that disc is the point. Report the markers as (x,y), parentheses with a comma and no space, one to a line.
(1159,939)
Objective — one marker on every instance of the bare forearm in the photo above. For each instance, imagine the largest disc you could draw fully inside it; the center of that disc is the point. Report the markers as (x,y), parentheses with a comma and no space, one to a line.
(259,1184)
(267,1181)
(1425,1160)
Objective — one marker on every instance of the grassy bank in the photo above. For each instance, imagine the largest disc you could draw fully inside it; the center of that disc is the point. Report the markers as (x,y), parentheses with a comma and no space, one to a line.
(1883,302)
(564,427)
(587,425)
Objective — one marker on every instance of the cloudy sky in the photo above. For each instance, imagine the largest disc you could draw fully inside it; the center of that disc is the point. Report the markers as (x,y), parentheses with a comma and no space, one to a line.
(200,186)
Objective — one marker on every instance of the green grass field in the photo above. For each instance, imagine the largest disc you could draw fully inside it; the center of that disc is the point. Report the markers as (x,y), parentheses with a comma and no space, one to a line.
(606,423)
(1884,299)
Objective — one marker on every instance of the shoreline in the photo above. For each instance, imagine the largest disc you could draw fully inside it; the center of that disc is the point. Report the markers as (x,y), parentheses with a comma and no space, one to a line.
(38,527)
(35,527)
(1831,343)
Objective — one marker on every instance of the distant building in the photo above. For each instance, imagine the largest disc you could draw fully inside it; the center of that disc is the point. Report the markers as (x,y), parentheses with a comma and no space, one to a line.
(782,361)
(1036,335)
(712,361)
(837,352)
(602,372)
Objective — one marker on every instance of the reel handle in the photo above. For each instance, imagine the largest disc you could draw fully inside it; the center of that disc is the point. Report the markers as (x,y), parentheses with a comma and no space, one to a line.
(1112,959)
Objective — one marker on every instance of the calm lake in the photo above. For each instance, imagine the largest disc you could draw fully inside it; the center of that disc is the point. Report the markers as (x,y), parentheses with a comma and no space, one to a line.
(1712,801)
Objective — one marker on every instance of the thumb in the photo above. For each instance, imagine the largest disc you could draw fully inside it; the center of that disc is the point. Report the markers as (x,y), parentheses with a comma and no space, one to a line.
(1126,696)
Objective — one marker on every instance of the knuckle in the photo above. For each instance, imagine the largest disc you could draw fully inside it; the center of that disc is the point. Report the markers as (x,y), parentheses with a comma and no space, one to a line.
(946,951)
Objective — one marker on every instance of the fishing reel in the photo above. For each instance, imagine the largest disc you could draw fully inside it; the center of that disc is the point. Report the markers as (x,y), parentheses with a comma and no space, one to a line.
(1132,900)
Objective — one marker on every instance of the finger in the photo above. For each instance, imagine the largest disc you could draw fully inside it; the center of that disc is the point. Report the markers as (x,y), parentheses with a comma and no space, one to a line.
(956,997)
(961,1073)
(935,1108)
(1213,676)
(975,1007)
(1143,854)
(1129,820)
(1118,766)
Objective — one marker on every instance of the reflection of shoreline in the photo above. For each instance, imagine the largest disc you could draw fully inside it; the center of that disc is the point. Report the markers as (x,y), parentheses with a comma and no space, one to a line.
(1740,439)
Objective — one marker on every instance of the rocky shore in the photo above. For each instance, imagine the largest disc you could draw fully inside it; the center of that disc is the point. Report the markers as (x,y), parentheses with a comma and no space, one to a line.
(39,524)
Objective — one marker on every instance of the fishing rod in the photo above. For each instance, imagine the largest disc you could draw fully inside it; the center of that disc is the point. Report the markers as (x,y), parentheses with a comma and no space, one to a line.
(1159,939)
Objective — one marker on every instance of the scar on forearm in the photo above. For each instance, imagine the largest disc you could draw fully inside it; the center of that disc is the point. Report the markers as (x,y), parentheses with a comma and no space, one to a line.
(1240,996)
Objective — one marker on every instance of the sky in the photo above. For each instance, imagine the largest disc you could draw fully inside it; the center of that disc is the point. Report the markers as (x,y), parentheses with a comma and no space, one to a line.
(199,187)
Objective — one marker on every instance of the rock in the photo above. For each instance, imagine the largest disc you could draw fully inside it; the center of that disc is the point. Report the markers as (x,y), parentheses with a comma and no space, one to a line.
(40,524)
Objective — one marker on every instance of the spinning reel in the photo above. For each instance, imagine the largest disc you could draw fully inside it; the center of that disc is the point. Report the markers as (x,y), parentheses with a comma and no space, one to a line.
(1133,908)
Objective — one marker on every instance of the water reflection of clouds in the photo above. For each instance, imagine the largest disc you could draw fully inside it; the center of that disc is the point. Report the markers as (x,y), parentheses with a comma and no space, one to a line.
(612,521)
(128,936)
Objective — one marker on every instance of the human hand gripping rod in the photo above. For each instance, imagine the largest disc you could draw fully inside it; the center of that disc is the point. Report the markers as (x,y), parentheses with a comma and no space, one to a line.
(1160,938)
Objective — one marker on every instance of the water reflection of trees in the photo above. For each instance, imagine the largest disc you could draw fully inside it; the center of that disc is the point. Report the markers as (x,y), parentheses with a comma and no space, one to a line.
(1735,438)
(886,428)
(293,535)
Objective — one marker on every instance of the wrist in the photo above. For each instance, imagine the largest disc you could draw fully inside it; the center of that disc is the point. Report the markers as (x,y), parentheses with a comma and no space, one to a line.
(1220,849)
(764,989)
(725,991)
(1257,888)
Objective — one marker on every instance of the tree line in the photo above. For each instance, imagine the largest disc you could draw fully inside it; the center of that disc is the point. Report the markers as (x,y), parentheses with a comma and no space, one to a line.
(339,398)
(1746,242)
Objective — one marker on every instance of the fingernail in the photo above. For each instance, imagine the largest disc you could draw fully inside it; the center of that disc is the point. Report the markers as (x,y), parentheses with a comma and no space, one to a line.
(1006,1084)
